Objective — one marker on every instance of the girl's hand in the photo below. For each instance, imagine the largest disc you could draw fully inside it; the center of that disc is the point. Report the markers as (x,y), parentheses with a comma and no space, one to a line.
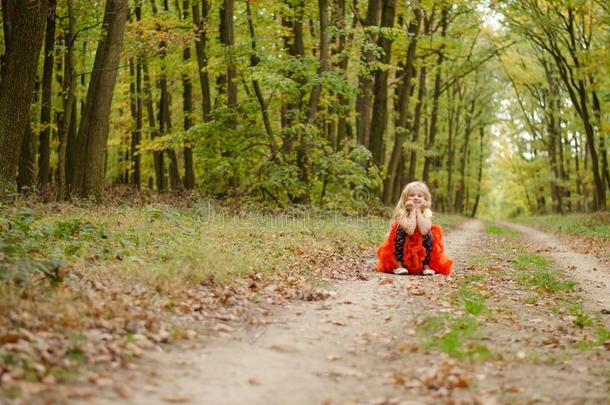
(409,203)
(424,204)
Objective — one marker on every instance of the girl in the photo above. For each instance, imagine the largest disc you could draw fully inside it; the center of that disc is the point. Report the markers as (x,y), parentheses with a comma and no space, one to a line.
(414,245)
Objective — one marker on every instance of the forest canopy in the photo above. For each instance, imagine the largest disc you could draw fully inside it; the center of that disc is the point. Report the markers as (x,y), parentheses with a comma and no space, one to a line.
(501,106)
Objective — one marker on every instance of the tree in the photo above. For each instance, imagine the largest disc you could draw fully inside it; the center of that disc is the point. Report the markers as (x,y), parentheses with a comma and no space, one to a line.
(24,25)
(93,129)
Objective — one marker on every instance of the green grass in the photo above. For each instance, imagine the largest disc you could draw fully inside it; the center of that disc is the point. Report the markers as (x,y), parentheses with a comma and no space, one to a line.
(500,230)
(596,225)
(472,301)
(448,221)
(165,245)
(458,337)
(536,272)
(583,320)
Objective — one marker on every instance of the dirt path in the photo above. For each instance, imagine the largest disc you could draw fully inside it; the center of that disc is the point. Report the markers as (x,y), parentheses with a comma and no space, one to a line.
(497,331)
(593,276)
(334,351)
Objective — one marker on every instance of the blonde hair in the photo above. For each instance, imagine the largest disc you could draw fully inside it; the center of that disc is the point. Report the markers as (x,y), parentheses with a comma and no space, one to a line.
(401,210)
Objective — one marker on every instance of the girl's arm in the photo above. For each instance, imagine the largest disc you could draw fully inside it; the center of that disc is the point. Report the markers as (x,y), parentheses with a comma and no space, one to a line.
(409,223)
(423,224)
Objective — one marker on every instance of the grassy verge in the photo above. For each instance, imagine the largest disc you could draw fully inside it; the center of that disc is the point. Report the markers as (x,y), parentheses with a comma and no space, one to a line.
(592,225)
(95,285)
(98,285)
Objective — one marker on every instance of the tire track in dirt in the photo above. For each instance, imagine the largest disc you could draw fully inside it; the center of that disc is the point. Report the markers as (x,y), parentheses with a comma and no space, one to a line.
(342,350)
(591,274)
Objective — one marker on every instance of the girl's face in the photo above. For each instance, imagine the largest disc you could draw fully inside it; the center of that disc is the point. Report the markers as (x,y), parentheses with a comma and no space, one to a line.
(417,196)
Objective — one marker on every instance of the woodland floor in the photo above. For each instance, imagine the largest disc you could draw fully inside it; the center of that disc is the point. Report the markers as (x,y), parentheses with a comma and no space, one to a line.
(523,319)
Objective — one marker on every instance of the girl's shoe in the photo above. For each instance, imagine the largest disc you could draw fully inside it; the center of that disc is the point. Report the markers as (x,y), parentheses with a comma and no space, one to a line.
(428,271)
(401,271)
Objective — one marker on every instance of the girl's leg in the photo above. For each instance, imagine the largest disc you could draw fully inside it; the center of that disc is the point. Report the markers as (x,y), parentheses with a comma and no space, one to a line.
(428,246)
(399,244)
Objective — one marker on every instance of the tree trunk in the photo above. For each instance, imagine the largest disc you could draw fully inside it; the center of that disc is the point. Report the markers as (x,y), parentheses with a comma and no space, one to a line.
(473,213)
(199,21)
(46,109)
(69,105)
(135,89)
(421,97)
(187,102)
(402,123)
(435,100)
(365,80)
(158,161)
(323,64)
(165,120)
(554,133)
(254,60)
(459,195)
(93,130)
(454,126)
(26,179)
(380,103)
(341,109)
(597,111)
(24,26)
(227,39)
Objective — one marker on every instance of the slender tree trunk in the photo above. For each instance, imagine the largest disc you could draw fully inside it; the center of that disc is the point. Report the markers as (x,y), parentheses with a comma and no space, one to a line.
(46,109)
(473,213)
(135,89)
(93,130)
(365,80)
(24,26)
(187,102)
(435,100)
(200,17)
(227,39)
(254,60)
(323,64)
(341,109)
(158,155)
(421,97)
(456,97)
(402,123)
(165,119)
(158,161)
(69,104)
(380,103)
(597,111)
(459,196)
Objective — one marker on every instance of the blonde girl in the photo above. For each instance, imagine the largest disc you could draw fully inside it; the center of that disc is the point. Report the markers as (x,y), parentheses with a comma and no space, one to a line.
(414,244)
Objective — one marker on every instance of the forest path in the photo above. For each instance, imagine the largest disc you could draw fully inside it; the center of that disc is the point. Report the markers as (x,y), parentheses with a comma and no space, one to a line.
(488,334)
(321,352)
(592,276)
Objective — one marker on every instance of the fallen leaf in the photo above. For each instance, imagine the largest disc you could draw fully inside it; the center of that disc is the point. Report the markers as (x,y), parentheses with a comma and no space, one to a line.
(221,327)
(177,399)
(399,379)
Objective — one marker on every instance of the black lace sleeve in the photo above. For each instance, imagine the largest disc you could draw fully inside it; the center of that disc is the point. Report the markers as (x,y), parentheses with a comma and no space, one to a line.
(399,243)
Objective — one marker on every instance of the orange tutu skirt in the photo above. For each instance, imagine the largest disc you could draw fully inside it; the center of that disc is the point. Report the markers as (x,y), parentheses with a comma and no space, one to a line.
(414,253)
